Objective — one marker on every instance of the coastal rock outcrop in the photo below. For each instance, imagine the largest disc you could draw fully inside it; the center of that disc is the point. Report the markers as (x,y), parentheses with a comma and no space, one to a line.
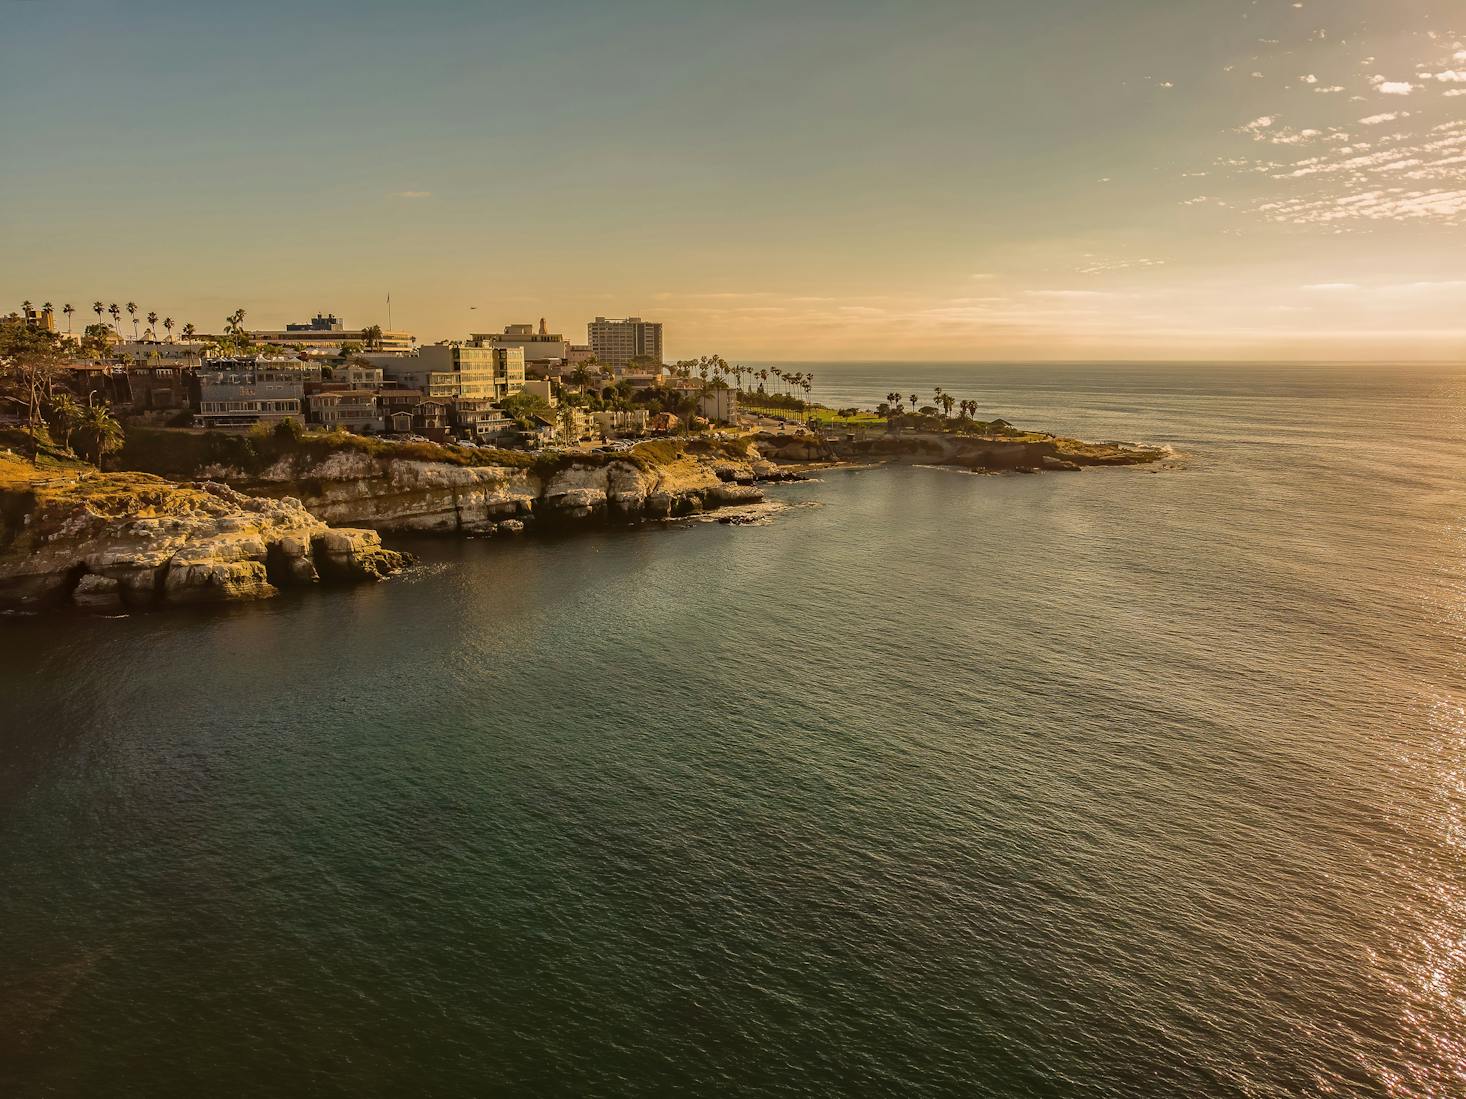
(384,489)
(128,540)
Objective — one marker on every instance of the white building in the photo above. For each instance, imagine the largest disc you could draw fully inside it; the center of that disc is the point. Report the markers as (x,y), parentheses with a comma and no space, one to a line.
(619,343)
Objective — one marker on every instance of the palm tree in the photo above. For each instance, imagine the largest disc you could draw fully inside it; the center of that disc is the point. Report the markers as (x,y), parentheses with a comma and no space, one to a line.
(188,333)
(234,323)
(947,401)
(153,322)
(25,306)
(100,433)
(68,309)
(168,327)
(132,312)
(46,307)
(98,308)
(63,415)
(915,400)
(116,315)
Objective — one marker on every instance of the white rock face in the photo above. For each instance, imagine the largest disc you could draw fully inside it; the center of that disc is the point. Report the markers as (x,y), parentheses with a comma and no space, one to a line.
(151,541)
(410,495)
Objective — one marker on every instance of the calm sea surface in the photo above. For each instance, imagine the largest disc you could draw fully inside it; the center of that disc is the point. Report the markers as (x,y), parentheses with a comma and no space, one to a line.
(1111,784)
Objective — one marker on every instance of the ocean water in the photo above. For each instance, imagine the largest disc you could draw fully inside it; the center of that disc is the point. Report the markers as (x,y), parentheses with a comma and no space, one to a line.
(1121,783)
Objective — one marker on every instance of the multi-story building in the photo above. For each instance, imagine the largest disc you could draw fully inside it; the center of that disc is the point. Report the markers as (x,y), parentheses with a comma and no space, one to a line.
(618,344)
(480,420)
(357,375)
(456,371)
(719,404)
(632,421)
(236,394)
(350,409)
(545,352)
(324,335)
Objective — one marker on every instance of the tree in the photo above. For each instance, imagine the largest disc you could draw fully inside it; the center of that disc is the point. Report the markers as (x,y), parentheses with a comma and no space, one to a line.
(132,312)
(914,400)
(29,360)
(153,322)
(349,348)
(373,336)
(947,401)
(523,406)
(99,433)
(116,315)
(64,415)
(68,309)
(98,308)
(168,327)
(234,323)
(188,333)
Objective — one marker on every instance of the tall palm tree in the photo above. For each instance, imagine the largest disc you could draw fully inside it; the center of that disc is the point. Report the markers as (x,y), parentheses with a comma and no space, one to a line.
(153,322)
(168,327)
(68,309)
(98,308)
(100,433)
(116,315)
(947,401)
(893,398)
(46,307)
(132,312)
(915,400)
(188,333)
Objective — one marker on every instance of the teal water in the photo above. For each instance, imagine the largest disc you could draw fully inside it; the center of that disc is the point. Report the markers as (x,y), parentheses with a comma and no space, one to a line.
(1111,784)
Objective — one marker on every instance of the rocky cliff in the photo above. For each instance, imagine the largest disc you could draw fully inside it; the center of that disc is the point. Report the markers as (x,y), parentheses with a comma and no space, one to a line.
(109,541)
(388,489)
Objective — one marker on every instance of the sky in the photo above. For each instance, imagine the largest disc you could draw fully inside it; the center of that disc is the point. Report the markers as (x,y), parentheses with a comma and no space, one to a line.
(918,180)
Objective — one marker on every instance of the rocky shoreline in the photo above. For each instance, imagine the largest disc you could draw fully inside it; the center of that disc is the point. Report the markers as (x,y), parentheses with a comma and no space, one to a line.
(114,542)
(315,514)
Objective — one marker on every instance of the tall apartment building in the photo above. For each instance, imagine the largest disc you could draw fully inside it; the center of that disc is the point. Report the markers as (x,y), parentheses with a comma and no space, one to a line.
(617,343)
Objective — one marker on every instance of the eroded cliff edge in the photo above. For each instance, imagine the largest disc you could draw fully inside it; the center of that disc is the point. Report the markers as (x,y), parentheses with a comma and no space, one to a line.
(423,488)
(109,541)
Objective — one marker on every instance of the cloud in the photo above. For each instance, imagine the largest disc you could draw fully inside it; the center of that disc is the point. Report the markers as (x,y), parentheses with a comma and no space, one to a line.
(1309,79)
(1377,119)
(1450,76)
(1391,87)
(412,194)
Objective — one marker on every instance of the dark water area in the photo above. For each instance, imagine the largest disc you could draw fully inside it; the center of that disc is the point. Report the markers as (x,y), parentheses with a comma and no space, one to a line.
(1120,783)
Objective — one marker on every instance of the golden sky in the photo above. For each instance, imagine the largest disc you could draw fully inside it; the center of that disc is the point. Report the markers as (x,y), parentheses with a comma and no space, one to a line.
(1172,179)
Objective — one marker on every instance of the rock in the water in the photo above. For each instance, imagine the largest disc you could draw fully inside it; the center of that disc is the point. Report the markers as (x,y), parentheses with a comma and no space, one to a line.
(98,593)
